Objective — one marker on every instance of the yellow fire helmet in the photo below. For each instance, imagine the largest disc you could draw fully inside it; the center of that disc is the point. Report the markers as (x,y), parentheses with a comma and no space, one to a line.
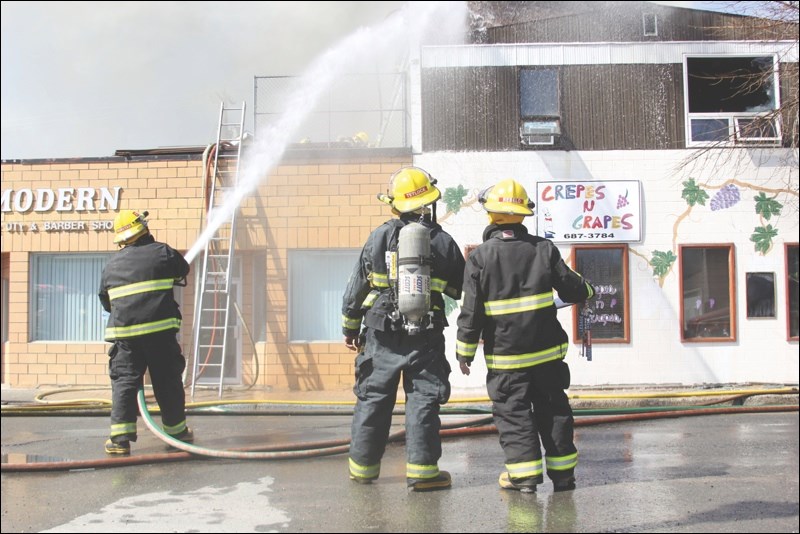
(507,197)
(411,188)
(129,225)
(361,139)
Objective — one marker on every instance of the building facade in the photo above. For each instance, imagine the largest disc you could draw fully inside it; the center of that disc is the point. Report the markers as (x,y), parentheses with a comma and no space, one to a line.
(673,190)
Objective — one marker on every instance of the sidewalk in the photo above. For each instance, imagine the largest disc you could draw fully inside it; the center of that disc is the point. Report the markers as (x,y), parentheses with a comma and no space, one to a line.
(610,396)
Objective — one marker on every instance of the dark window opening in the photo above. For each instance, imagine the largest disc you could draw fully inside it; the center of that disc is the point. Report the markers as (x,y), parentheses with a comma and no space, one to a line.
(650,22)
(792,290)
(730,85)
(760,289)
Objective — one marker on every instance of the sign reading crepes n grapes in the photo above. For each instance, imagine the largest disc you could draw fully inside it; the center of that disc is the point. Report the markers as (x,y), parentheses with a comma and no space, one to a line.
(589,211)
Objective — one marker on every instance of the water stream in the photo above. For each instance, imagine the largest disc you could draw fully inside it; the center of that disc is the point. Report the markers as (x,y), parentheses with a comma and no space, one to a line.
(403,29)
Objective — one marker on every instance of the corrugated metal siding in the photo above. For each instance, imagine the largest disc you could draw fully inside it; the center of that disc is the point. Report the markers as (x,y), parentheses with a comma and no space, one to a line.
(602,108)
(625,23)
(474,109)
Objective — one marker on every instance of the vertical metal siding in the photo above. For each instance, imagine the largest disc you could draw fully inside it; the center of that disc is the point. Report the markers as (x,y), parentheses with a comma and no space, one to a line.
(603,107)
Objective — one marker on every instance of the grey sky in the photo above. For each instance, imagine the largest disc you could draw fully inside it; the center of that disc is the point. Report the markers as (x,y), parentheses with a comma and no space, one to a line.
(84,79)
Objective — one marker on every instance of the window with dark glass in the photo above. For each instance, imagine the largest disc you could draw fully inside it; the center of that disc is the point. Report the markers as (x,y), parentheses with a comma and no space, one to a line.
(606,268)
(732,100)
(792,267)
(760,292)
(708,293)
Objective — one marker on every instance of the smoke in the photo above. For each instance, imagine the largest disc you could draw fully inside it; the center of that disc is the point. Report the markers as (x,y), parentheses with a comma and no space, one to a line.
(404,29)
(84,79)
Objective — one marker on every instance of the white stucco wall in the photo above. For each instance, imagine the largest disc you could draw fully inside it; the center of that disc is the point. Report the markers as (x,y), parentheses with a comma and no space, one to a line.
(655,354)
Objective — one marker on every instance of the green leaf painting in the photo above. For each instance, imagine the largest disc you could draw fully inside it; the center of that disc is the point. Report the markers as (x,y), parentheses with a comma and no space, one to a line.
(767,207)
(662,262)
(693,194)
(762,237)
(452,198)
(449,305)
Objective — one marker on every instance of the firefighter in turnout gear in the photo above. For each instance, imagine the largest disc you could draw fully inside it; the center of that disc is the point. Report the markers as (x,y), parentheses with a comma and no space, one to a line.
(136,289)
(399,298)
(509,302)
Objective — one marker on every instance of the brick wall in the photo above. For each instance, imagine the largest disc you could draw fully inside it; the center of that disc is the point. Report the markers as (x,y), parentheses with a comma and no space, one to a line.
(327,204)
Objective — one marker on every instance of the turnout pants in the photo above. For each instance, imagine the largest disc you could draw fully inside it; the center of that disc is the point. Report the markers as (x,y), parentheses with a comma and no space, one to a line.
(513,394)
(425,372)
(128,361)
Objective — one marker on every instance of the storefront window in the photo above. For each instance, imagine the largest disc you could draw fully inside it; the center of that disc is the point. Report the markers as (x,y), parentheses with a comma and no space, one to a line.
(708,293)
(792,267)
(606,268)
(317,280)
(64,302)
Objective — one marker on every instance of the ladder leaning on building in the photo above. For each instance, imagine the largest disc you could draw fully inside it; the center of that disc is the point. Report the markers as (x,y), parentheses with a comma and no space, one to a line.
(213,300)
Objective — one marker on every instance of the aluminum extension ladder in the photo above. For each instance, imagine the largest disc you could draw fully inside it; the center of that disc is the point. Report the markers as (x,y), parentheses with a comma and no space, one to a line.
(213,302)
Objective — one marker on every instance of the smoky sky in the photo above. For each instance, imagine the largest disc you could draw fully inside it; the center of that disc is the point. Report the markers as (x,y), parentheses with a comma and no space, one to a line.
(84,79)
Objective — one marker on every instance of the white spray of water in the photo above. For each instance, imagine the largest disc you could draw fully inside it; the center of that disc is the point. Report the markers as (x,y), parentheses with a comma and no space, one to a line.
(403,28)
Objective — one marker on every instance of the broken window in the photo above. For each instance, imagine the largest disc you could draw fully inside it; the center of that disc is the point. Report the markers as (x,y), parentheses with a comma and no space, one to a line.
(731,100)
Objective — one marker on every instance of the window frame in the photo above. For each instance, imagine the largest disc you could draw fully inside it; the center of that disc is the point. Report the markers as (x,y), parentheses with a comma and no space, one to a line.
(293,256)
(540,129)
(733,137)
(653,33)
(33,297)
(732,312)
(626,321)
(789,293)
(749,281)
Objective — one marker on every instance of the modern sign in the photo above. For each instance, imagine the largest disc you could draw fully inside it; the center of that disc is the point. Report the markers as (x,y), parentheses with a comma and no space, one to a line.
(589,211)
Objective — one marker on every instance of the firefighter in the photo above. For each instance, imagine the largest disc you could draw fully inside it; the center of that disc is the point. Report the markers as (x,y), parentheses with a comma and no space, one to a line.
(389,345)
(509,302)
(136,288)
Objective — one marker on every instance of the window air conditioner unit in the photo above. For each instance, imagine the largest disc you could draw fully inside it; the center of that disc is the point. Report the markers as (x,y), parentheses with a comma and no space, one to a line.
(542,132)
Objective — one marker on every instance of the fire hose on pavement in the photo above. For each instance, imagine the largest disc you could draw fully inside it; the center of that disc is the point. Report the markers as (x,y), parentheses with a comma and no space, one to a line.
(475,426)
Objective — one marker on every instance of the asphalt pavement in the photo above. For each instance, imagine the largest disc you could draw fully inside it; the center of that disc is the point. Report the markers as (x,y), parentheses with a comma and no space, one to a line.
(726,468)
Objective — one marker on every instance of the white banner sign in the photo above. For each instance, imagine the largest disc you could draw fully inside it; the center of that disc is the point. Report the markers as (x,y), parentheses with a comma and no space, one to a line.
(589,211)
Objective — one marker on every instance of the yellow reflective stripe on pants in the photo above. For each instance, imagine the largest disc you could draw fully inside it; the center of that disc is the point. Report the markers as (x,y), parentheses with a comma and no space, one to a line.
(141,287)
(524,469)
(422,471)
(175,429)
(519,361)
(119,429)
(118,332)
(364,471)
(562,463)
(517,305)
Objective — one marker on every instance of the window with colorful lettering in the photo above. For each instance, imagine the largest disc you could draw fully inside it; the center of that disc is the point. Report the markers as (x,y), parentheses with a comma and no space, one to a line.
(606,268)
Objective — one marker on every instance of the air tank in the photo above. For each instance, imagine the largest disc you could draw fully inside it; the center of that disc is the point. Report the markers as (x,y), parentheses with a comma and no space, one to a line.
(414,275)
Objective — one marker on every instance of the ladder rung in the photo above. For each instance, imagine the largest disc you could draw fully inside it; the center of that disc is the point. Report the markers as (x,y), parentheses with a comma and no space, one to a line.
(211,347)
(213,327)
(212,310)
(216,290)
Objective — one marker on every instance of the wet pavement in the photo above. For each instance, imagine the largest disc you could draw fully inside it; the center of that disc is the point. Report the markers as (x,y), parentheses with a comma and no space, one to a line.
(732,472)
